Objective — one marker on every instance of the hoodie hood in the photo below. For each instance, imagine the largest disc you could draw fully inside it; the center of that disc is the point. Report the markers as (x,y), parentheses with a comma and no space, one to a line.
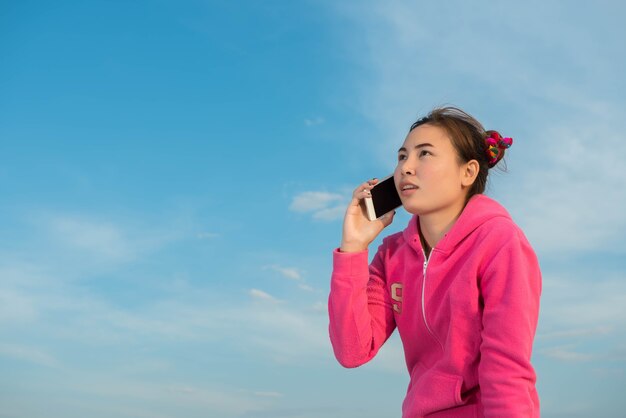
(479,210)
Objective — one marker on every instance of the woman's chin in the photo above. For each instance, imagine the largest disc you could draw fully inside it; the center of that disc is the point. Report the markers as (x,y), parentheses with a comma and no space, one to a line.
(411,208)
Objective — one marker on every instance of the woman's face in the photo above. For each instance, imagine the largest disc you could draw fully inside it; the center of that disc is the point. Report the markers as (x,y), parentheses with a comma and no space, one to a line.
(428,175)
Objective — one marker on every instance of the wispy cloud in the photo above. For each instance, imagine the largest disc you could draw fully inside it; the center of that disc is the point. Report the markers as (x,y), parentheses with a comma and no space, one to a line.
(314,121)
(261,295)
(330,214)
(575,333)
(306,287)
(313,201)
(97,239)
(101,239)
(323,206)
(43,292)
(566,353)
(29,354)
(279,331)
(580,161)
(16,306)
(288,272)
(288,335)
(319,307)
(269,394)
(608,373)
(579,321)
(575,302)
(132,397)
(292,274)
(207,235)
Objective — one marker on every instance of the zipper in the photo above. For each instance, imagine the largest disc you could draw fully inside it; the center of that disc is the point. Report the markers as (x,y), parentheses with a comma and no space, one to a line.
(423,302)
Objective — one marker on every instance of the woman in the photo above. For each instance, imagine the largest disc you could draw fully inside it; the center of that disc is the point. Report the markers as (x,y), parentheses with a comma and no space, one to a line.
(461,282)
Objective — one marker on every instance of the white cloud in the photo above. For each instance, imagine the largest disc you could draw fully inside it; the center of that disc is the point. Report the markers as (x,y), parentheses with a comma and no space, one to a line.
(94,241)
(330,214)
(618,353)
(207,235)
(324,206)
(566,354)
(320,307)
(576,200)
(288,272)
(582,319)
(576,333)
(261,295)
(293,274)
(608,373)
(313,201)
(306,287)
(29,354)
(583,302)
(288,335)
(70,314)
(269,394)
(132,397)
(16,306)
(314,121)
(102,239)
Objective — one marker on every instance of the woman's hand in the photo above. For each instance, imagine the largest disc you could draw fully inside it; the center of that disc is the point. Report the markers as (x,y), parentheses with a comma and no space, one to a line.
(358,230)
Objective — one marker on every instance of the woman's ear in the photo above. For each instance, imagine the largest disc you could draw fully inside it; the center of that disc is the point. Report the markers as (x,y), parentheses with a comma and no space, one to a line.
(469,172)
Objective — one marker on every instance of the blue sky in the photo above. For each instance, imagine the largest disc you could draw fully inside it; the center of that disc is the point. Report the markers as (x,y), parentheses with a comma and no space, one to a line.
(173,177)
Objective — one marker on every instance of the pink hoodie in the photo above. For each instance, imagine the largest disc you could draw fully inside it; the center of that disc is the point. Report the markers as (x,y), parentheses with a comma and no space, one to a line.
(466,316)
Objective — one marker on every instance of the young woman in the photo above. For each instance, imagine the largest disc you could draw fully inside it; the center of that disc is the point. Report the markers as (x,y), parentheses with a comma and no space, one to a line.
(461,282)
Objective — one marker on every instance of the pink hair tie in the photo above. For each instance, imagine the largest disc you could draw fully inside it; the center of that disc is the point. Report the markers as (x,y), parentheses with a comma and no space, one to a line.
(495,145)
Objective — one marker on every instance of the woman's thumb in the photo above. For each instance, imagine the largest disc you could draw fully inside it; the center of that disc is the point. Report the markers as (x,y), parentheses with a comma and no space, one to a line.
(387,218)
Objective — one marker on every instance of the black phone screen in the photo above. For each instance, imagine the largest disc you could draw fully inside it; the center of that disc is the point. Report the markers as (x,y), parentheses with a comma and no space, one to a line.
(385,197)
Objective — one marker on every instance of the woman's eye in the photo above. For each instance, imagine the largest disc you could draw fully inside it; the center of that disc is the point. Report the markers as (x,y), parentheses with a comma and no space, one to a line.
(401,157)
(424,152)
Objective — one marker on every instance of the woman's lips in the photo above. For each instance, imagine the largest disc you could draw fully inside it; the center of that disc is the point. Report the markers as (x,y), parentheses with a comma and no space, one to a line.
(408,189)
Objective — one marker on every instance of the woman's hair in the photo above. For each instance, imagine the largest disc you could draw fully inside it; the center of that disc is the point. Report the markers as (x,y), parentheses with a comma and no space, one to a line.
(468,138)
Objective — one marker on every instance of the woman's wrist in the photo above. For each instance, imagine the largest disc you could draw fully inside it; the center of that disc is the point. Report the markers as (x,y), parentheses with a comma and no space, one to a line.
(347,247)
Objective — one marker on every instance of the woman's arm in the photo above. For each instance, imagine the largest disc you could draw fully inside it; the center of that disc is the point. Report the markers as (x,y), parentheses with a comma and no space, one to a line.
(510,287)
(359,307)
(361,319)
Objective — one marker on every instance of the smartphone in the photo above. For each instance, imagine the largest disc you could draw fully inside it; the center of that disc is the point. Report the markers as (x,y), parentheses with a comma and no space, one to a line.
(384,199)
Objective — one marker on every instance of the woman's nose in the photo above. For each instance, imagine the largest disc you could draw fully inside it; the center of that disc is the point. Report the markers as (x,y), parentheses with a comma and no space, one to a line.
(407,169)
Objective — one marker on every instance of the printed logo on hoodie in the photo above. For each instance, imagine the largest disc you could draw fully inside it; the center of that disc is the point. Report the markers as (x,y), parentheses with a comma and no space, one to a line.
(396,295)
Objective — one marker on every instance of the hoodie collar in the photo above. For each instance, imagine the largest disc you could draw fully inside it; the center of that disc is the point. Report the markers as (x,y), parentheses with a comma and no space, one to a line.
(479,210)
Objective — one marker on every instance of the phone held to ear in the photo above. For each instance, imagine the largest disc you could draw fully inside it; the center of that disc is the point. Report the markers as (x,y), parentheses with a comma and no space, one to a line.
(383,200)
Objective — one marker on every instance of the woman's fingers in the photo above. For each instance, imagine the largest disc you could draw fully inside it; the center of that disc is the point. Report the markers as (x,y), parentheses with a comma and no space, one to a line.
(364,189)
(358,231)
(387,218)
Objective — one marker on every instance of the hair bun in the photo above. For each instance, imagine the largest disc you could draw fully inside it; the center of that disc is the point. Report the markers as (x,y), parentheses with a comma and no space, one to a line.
(495,147)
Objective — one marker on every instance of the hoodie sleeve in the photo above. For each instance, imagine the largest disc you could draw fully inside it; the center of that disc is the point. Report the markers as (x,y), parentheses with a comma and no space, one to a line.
(359,308)
(511,287)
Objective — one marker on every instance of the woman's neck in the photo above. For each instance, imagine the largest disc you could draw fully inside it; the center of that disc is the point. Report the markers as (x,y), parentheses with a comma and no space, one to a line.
(433,227)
